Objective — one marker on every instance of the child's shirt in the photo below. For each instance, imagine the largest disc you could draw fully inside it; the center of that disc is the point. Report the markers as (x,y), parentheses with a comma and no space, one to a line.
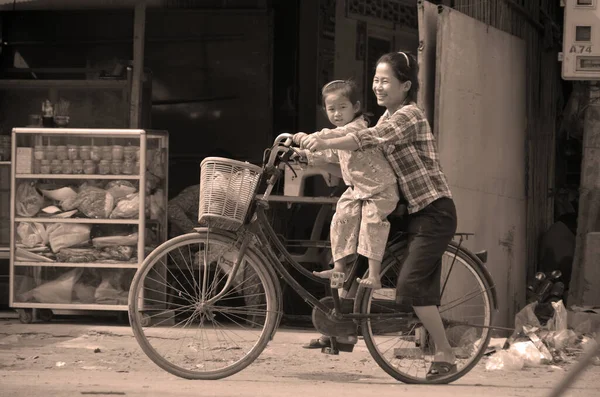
(367,171)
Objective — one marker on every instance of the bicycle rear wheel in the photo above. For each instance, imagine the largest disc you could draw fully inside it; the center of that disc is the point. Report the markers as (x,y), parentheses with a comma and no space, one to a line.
(402,347)
(178,330)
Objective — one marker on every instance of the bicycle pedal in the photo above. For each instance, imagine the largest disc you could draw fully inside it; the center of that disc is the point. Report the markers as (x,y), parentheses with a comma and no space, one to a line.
(330,350)
(337,280)
(345,347)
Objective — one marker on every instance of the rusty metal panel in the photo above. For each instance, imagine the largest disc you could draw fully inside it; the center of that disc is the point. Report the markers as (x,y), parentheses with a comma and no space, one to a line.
(480,119)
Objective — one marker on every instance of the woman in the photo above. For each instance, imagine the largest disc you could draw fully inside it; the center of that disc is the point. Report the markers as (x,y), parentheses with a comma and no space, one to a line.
(414,157)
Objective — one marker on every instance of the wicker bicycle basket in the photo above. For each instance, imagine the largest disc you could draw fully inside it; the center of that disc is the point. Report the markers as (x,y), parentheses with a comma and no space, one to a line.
(227,188)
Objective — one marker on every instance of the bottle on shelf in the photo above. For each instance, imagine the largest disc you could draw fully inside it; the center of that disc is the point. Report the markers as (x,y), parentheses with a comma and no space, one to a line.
(47,114)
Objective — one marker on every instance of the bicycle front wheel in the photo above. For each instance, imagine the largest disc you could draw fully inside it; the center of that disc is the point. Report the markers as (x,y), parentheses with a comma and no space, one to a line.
(182,333)
(402,347)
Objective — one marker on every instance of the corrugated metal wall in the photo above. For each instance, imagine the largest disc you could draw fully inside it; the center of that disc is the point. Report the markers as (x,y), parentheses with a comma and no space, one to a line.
(533,22)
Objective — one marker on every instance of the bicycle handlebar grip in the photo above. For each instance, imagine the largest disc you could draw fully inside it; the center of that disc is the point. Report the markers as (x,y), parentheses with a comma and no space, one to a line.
(285,137)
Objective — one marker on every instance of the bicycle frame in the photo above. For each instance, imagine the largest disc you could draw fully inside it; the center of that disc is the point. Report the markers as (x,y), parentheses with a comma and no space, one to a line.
(258,226)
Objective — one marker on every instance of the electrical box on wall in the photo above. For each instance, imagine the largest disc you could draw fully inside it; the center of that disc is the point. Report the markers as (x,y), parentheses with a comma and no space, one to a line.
(581,40)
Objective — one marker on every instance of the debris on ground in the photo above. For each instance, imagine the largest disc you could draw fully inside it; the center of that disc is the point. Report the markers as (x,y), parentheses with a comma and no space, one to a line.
(536,342)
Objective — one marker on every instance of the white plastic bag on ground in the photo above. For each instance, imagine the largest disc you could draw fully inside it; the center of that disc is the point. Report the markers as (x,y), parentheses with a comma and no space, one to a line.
(505,360)
(558,322)
(529,353)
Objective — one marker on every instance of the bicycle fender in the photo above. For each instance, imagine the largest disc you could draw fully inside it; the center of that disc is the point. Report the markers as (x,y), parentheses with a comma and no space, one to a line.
(401,244)
(486,274)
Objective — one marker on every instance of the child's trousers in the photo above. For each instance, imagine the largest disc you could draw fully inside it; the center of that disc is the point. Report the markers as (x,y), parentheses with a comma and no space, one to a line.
(360,225)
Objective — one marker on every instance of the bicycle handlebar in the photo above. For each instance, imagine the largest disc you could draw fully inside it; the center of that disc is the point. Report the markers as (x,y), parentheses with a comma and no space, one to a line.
(281,137)
(279,151)
(281,145)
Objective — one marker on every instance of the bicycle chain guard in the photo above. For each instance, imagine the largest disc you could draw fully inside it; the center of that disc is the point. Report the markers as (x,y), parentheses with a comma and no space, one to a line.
(330,326)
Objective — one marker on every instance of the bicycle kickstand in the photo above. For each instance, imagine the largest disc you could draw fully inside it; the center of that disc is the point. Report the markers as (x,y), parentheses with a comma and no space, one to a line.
(337,281)
(333,348)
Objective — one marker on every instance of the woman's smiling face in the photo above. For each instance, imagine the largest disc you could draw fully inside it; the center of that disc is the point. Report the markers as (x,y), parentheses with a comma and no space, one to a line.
(390,91)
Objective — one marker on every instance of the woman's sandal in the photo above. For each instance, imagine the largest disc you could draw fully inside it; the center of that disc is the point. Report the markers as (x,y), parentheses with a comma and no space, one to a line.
(347,344)
(316,344)
(440,369)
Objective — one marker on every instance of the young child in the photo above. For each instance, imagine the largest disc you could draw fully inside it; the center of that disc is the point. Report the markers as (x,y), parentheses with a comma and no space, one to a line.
(360,224)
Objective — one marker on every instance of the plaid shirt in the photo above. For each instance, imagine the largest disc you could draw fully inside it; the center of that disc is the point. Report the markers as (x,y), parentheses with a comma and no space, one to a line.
(414,156)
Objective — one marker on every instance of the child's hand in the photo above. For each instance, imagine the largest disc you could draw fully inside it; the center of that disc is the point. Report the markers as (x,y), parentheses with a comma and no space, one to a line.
(298,138)
(314,144)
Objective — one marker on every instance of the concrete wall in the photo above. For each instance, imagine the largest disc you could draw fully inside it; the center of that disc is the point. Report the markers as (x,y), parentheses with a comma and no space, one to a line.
(480,122)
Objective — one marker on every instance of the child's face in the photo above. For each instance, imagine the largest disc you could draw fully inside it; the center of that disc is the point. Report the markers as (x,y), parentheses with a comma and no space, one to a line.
(340,110)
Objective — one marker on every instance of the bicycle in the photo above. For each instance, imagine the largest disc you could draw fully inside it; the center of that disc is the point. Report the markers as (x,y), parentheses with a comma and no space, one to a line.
(204,305)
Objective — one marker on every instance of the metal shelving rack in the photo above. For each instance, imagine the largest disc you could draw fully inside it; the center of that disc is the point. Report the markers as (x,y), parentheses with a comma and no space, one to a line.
(24,137)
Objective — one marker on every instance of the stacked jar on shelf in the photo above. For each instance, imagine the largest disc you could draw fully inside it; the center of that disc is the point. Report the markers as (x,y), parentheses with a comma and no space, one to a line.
(74,159)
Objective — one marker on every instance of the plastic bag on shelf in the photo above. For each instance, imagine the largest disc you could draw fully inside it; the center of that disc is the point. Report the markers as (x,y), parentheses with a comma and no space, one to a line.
(28,202)
(59,194)
(152,182)
(59,290)
(77,255)
(157,204)
(84,293)
(32,234)
(127,207)
(120,189)
(112,241)
(112,289)
(65,235)
(93,202)
(155,160)
(117,253)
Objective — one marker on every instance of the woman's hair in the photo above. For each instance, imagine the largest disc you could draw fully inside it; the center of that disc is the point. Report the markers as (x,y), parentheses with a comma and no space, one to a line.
(405,67)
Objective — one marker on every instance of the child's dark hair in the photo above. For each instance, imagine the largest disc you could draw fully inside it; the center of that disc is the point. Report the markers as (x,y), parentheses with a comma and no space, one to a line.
(405,67)
(347,88)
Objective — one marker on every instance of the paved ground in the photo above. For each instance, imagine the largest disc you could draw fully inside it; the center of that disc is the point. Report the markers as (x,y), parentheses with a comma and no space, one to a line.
(59,359)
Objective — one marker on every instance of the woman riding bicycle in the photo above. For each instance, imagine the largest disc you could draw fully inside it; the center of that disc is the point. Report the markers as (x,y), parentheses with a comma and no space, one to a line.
(431,212)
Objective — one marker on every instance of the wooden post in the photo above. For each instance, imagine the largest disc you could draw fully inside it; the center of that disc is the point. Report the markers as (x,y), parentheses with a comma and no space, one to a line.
(139,32)
(585,278)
